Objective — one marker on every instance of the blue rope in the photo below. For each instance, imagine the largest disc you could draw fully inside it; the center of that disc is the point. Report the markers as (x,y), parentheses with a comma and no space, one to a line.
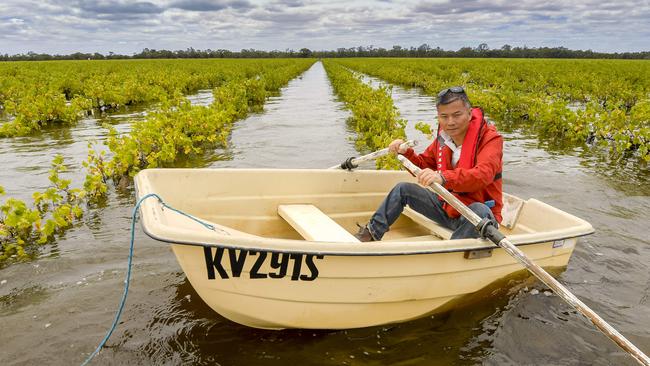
(128,271)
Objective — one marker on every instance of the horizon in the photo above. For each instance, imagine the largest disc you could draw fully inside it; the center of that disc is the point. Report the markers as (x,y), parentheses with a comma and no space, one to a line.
(297,51)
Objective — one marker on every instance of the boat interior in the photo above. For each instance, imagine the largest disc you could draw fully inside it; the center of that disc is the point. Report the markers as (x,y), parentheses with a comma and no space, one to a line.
(317,205)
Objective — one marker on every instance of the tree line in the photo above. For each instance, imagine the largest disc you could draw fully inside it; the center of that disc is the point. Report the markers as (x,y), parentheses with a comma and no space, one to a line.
(424,50)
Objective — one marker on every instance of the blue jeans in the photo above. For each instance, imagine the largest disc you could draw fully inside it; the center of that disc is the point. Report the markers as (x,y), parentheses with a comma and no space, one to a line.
(427,203)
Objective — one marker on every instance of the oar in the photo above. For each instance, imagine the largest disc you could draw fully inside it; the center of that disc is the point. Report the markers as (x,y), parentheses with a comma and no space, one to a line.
(489,230)
(351,163)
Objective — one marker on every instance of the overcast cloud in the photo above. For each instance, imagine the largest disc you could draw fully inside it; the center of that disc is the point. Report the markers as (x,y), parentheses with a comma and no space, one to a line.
(60,26)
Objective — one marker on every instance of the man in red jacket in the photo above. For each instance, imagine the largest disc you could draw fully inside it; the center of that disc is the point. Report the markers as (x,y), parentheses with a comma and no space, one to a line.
(465,158)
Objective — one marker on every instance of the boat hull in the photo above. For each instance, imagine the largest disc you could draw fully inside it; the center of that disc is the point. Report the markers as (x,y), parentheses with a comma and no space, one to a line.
(251,266)
(338,291)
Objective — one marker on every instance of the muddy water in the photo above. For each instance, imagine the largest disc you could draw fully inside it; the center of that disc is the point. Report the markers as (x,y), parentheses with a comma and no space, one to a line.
(305,127)
(414,107)
(56,309)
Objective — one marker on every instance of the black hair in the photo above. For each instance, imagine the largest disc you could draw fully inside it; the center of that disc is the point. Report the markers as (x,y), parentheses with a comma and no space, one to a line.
(450,97)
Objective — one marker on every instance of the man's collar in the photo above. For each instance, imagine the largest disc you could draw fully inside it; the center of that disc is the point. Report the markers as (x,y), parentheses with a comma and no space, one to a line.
(448,140)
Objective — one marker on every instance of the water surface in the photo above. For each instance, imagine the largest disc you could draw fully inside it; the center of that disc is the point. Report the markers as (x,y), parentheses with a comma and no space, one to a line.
(56,309)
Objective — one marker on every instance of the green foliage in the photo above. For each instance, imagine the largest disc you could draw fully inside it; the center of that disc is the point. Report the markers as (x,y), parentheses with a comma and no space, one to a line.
(175,129)
(570,101)
(425,128)
(374,117)
(180,129)
(35,94)
(57,206)
(95,184)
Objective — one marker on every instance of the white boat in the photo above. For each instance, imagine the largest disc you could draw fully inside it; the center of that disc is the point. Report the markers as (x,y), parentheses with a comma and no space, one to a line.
(280,253)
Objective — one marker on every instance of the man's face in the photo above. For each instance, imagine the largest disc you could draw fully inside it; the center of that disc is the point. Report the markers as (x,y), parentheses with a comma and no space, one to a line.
(454,119)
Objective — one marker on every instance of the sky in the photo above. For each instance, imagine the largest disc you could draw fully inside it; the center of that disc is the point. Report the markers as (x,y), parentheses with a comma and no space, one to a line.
(127,27)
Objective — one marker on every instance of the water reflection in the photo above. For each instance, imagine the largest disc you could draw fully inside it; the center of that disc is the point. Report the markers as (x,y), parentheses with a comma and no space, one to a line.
(18,298)
(624,171)
(190,332)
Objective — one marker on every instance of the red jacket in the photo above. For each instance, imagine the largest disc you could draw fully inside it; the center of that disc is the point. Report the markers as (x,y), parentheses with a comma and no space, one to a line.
(477,176)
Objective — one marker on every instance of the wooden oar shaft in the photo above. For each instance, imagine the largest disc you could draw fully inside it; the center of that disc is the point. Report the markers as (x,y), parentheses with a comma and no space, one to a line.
(376,154)
(572,300)
(537,271)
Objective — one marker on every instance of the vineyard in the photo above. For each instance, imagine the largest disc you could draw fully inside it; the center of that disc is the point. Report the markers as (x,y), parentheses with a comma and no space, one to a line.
(374,117)
(593,102)
(602,102)
(38,96)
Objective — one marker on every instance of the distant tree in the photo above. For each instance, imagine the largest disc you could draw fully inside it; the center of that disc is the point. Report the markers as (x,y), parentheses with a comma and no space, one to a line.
(482,48)
(466,52)
(305,52)
(424,50)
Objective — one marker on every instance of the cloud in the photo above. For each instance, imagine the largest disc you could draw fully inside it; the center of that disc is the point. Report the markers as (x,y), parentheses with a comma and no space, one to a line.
(62,26)
(460,7)
(119,7)
(291,3)
(279,18)
(210,5)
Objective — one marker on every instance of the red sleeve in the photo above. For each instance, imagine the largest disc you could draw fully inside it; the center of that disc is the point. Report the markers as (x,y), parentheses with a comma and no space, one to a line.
(425,160)
(488,164)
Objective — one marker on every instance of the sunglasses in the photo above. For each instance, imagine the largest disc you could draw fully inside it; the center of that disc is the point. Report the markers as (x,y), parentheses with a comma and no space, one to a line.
(453,89)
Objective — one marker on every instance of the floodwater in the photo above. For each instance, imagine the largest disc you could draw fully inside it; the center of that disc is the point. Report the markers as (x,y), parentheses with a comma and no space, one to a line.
(56,309)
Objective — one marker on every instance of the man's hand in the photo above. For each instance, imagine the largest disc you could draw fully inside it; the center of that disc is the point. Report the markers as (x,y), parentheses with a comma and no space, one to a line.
(394,147)
(428,177)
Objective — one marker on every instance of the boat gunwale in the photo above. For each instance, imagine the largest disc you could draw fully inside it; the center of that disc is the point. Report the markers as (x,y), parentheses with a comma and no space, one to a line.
(348,253)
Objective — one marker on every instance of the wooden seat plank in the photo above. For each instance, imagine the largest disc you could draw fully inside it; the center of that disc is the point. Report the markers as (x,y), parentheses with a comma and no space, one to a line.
(314,225)
(427,223)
